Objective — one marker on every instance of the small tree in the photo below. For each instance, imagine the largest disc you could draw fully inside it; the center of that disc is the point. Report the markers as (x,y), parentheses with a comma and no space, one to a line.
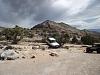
(66,37)
(17,33)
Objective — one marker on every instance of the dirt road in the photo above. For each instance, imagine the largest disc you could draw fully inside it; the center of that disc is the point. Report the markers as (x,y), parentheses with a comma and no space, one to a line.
(67,63)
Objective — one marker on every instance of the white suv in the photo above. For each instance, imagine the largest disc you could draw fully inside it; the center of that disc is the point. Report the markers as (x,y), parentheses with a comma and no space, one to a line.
(53,43)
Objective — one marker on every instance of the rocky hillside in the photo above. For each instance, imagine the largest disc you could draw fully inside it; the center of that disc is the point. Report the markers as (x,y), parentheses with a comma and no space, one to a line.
(52,27)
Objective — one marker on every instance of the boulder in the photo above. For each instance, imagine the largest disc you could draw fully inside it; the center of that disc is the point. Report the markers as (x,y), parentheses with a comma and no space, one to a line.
(8,55)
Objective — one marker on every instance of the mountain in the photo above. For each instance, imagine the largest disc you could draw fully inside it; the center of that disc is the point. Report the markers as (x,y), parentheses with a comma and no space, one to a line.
(50,27)
(94,30)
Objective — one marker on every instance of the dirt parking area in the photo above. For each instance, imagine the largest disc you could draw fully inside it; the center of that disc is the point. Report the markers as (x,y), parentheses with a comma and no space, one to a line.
(68,62)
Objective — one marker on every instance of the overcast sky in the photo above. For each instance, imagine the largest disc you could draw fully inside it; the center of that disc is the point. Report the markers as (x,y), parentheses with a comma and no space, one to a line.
(82,14)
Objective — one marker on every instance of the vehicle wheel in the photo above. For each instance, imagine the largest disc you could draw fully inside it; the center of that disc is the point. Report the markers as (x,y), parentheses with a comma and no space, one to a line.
(98,51)
(89,51)
(2,58)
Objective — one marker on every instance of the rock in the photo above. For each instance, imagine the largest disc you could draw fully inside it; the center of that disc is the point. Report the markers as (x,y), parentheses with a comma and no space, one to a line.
(66,47)
(43,48)
(8,47)
(53,54)
(33,56)
(36,47)
(8,55)
(17,52)
(23,57)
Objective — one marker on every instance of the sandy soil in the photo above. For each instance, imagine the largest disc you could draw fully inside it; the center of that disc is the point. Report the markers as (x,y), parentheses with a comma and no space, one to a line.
(71,61)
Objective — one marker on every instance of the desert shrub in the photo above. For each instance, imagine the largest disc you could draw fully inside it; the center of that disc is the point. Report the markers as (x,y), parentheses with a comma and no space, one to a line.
(65,38)
(14,34)
(2,38)
(87,40)
(28,33)
(43,40)
(74,40)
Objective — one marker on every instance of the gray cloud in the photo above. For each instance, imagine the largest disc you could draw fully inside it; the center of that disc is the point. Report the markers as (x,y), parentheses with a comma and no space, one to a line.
(34,10)
(90,18)
(30,12)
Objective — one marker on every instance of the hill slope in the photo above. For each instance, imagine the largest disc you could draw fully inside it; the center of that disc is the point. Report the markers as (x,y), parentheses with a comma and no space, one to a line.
(52,27)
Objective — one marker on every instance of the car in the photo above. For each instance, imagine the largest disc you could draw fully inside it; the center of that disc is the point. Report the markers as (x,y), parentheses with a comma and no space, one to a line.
(95,47)
(52,42)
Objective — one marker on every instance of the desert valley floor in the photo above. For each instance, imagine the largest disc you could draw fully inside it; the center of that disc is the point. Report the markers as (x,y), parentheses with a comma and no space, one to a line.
(71,61)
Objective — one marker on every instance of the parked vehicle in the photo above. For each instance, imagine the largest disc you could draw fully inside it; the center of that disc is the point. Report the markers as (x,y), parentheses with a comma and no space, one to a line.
(52,43)
(95,47)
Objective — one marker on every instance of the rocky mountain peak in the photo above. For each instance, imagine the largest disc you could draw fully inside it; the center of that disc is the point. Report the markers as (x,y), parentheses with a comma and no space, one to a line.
(48,22)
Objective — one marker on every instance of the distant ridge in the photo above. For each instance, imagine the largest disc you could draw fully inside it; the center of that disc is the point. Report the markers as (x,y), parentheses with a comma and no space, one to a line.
(94,30)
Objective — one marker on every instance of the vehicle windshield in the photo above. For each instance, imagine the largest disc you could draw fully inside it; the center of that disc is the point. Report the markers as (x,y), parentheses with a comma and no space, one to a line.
(51,41)
(96,45)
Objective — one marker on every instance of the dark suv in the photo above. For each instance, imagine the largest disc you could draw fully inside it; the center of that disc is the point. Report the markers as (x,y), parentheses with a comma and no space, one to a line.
(95,47)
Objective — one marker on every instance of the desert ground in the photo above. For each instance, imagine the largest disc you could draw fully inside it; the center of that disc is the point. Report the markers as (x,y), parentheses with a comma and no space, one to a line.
(67,61)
